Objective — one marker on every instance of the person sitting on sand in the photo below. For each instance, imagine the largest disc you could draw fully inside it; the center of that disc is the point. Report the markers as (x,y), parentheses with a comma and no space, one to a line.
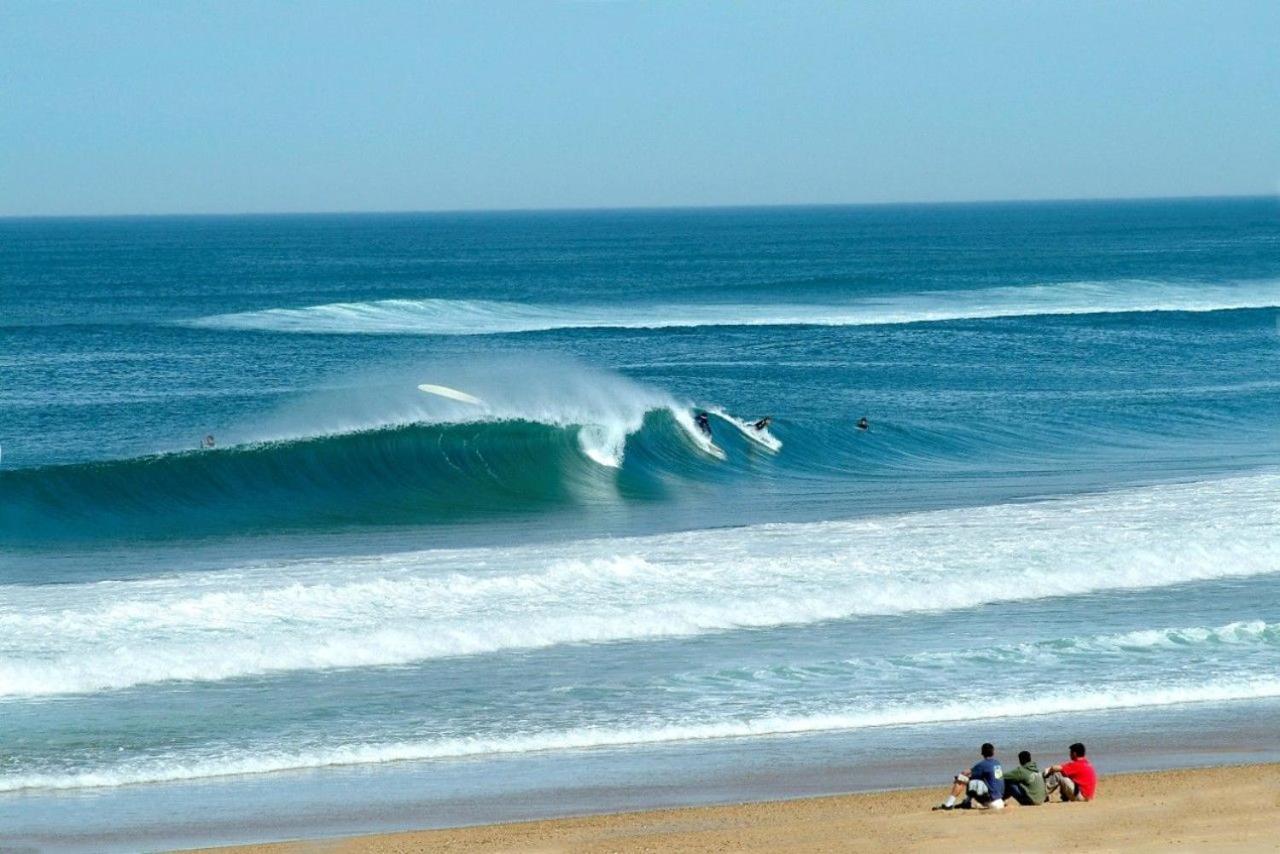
(982,784)
(1076,780)
(1025,784)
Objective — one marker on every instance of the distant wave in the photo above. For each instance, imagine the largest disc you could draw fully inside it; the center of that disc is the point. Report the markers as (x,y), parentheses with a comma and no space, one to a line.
(481,317)
(196,765)
(397,609)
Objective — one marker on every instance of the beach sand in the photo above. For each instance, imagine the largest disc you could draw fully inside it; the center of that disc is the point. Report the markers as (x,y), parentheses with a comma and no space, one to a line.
(1214,809)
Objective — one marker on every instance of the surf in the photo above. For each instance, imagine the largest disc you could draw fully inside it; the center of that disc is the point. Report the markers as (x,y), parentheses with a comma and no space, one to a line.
(395,609)
(450,317)
(500,438)
(396,475)
(196,764)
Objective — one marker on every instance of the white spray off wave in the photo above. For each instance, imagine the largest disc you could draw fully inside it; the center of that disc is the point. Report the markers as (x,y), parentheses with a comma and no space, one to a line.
(604,407)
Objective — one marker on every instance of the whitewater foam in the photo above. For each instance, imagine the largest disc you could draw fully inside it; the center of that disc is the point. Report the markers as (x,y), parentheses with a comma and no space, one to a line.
(482,317)
(196,765)
(395,609)
(1036,659)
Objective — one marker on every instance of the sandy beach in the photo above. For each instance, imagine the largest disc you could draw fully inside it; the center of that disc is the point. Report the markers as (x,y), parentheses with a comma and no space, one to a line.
(1233,808)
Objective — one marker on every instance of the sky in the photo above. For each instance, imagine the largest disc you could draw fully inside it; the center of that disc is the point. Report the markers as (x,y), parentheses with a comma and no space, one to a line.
(223,107)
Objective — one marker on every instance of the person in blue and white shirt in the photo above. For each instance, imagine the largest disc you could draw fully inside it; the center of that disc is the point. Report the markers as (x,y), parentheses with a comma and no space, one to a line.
(982,786)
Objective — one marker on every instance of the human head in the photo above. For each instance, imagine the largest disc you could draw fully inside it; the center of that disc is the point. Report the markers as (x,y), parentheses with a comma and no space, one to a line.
(988,750)
(1024,757)
(1076,750)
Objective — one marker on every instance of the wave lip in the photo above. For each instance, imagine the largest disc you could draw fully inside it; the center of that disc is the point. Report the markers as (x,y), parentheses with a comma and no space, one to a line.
(398,609)
(492,317)
(1103,698)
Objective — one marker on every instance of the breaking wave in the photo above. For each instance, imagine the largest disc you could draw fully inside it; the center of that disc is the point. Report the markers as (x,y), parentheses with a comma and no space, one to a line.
(483,317)
(554,434)
(401,608)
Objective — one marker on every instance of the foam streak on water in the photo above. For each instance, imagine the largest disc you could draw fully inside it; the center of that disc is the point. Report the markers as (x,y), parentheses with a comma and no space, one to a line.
(403,608)
(480,317)
(960,708)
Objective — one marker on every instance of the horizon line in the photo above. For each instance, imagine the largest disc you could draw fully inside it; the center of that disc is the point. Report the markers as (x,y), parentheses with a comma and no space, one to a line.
(640,208)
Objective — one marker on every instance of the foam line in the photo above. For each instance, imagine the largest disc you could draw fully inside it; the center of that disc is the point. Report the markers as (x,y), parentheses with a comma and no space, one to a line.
(194,767)
(485,317)
(396,609)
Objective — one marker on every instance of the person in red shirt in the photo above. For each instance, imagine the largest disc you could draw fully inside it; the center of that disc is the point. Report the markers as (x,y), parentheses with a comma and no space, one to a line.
(1075,780)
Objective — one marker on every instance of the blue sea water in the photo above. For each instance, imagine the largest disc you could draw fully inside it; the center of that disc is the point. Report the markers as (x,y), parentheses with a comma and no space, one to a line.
(1062,520)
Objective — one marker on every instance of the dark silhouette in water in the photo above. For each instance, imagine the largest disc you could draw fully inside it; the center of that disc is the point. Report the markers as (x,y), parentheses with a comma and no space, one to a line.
(763,423)
(863,424)
(703,422)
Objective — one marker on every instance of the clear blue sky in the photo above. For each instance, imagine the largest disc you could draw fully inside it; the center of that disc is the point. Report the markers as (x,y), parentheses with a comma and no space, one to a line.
(151,107)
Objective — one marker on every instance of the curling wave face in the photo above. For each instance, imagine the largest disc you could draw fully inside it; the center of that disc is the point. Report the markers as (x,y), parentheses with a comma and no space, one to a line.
(407,466)
(550,434)
(383,476)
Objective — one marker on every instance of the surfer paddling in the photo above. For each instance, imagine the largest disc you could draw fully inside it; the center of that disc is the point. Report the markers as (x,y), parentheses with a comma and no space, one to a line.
(863,423)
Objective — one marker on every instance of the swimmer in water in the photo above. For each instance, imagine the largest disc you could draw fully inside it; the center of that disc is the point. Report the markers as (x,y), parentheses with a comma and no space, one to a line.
(763,423)
(703,422)
(863,424)
(208,441)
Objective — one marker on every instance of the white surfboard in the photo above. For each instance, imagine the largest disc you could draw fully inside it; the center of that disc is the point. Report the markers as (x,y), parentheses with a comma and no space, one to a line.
(451,393)
(700,440)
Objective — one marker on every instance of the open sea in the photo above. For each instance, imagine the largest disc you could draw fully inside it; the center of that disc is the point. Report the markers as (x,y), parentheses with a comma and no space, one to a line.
(369,607)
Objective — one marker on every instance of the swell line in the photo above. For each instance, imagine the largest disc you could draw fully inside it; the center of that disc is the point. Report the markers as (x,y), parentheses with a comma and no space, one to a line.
(491,317)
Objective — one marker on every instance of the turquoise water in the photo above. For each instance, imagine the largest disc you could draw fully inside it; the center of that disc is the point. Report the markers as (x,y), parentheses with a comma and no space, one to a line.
(1065,504)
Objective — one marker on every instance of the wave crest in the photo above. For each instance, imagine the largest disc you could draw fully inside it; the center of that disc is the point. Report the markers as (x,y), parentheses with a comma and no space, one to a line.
(488,317)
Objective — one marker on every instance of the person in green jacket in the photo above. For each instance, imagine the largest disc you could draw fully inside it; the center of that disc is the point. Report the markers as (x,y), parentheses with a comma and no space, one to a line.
(1025,784)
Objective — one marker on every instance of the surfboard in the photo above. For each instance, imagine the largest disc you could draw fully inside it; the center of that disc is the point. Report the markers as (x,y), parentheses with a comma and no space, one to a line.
(701,440)
(763,438)
(451,393)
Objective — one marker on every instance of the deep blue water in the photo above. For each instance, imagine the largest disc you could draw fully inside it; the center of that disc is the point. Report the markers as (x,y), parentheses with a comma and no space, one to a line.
(1070,474)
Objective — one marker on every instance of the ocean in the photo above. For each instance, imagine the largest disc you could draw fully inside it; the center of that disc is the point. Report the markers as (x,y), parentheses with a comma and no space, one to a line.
(367,606)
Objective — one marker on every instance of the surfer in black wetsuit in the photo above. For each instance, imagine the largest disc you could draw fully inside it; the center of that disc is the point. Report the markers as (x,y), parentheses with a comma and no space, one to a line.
(863,424)
(703,422)
(763,423)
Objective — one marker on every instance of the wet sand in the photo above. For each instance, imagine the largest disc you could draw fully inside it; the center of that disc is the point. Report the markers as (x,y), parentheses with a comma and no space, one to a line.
(1233,808)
